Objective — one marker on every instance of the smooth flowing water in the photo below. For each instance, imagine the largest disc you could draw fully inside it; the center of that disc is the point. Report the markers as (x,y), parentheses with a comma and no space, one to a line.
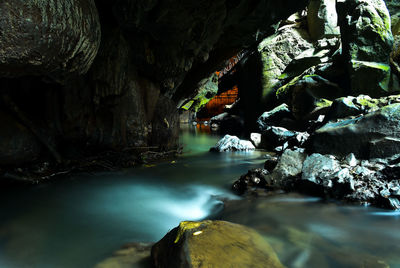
(80,221)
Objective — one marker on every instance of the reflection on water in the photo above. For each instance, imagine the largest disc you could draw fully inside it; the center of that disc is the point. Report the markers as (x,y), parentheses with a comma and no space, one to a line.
(308,233)
(79,222)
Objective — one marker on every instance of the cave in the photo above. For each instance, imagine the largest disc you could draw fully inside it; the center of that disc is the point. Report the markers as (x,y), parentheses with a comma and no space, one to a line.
(165,133)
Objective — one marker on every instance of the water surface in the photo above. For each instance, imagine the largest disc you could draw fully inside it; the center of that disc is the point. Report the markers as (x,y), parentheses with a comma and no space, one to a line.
(80,221)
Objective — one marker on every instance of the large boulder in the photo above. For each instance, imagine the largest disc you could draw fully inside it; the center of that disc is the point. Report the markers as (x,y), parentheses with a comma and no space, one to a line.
(53,38)
(273,117)
(374,135)
(367,42)
(350,106)
(232,143)
(290,166)
(213,244)
(319,168)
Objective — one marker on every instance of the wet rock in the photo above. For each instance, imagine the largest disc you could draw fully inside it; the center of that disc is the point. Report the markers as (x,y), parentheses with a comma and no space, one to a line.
(367,42)
(270,163)
(255,178)
(227,123)
(256,139)
(130,255)
(391,172)
(273,117)
(351,160)
(361,135)
(52,38)
(342,108)
(232,143)
(213,244)
(351,106)
(290,166)
(320,169)
(276,136)
(322,18)
(309,96)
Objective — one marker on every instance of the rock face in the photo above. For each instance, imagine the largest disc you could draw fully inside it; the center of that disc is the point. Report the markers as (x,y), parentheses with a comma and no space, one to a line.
(53,38)
(17,143)
(181,44)
(213,244)
(232,143)
(367,42)
(374,135)
(111,73)
(322,18)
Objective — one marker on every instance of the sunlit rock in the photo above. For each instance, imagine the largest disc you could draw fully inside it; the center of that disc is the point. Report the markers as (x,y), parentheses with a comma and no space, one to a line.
(273,117)
(213,244)
(322,18)
(232,143)
(290,166)
(319,169)
(252,181)
(367,42)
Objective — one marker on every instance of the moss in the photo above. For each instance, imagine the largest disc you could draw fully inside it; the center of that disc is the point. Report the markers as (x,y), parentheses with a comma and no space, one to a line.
(206,92)
(376,65)
(284,90)
(322,103)
(185,226)
(187,105)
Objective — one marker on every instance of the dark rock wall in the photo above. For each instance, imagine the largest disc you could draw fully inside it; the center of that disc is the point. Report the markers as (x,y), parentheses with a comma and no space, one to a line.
(110,75)
(53,38)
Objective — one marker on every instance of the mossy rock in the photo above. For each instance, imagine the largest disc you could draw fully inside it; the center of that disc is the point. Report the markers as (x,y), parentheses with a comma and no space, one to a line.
(367,42)
(213,244)
(362,135)
(207,89)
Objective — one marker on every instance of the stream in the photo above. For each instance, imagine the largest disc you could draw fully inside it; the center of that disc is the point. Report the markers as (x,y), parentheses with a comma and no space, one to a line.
(80,221)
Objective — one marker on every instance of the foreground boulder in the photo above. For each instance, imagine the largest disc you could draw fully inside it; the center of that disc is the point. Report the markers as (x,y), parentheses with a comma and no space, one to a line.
(213,244)
(374,135)
(232,143)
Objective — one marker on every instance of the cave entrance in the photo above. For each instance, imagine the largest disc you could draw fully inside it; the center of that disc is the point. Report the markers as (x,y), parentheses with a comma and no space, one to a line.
(216,95)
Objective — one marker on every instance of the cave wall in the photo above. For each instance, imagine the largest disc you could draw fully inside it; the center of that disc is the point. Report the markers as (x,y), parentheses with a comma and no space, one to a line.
(109,75)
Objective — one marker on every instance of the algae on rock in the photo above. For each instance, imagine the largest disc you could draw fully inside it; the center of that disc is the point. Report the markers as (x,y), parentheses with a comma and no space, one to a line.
(213,244)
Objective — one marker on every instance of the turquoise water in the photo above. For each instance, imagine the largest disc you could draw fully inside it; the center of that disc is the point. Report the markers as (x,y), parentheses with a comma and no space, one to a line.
(80,221)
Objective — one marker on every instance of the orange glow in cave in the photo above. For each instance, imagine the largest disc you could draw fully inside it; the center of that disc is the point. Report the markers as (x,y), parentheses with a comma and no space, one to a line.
(217,104)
